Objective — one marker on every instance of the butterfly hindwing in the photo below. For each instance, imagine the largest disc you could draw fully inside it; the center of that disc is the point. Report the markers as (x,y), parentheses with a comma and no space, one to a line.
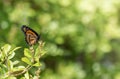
(31,36)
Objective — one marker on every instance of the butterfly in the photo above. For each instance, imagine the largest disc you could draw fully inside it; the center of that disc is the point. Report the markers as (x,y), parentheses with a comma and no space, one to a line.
(31,36)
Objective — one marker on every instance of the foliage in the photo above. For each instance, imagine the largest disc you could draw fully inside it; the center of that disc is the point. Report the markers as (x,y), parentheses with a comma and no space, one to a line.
(80,35)
(11,70)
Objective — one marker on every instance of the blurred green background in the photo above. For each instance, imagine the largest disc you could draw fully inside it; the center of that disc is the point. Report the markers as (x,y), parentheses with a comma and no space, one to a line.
(82,36)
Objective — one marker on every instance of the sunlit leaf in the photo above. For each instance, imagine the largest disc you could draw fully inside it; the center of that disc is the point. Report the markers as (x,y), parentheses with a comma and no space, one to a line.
(37,52)
(39,49)
(11,77)
(26,60)
(43,52)
(37,64)
(9,64)
(6,48)
(27,53)
(35,77)
(19,68)
(14,49)
(16,62)
(26,75)
(11,56)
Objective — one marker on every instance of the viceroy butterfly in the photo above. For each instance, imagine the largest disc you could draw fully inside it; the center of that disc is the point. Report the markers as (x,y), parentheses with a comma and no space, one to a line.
(31,36)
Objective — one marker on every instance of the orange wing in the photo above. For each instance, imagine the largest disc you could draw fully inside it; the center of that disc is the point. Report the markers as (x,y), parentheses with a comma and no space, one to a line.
(31,36)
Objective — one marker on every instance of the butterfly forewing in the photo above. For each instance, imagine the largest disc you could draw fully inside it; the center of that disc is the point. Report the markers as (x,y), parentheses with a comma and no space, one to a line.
(31,36)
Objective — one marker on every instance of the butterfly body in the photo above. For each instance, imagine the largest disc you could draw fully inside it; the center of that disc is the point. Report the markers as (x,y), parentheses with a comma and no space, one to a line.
(31,36)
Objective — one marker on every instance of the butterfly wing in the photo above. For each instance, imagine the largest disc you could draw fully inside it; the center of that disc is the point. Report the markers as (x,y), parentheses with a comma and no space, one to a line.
(31,36)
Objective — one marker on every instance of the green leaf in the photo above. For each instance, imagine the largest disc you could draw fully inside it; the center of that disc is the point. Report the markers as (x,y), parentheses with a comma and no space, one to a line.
(3,69)
(26,60)
(14,50)
(9,64)
(37,57)
(39,52)
(35,77)
(6,48)
(43,52)
(27,75)
(19,68)
(11,56)
(2,56)
(27,53)
(15,62)
(39,49)
(37,64)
